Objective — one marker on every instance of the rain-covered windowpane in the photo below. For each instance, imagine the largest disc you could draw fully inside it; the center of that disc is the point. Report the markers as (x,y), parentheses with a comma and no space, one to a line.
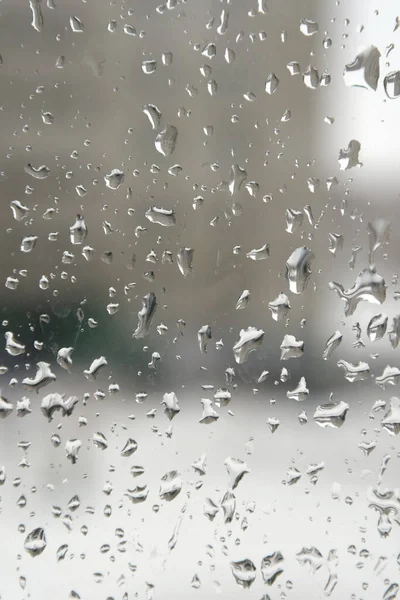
(199,299)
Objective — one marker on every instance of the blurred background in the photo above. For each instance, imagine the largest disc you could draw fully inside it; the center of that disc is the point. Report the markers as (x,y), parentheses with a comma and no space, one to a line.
(77,78)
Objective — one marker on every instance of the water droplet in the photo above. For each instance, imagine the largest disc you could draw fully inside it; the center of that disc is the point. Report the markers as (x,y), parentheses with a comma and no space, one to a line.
(76,24)
(170,403)
(13,347)
(19,210)
(78,231)
(228,505)
(332,343)
(379,231)
(236,470)
(209,50)
(300,393)
(271,83)
(210,509)
(271,565)
(291,348)
(332,414)
(377,326)
(149,66)
(199,465)
(171,485)
(61,552)
(249,339)
(57,402)
(363,71)
(64,357)
(243,300)
(358,372)
(311,78)
(237,176)
(298,269)
(244,572)
(95,368)
(153,114)
(161,216)
(394,333)
(43,377)
(311,557)
(138,494)
(100,440)
(166,140)
(391,84)
(294,220)
(308,27)
(204,335)
(348,157)
(35,542)
(129,448)
(259,253)
(6,408)
(37,16)
(391,420)
(41,172)
(279,307)
(145,315)
(184,260)
(368,286)
(209,413)
(335,243)
(391,592)
(72,448)
(114,179)
(195,583)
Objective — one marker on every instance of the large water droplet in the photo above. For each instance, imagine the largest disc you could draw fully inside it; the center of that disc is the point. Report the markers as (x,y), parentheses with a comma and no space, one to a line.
(332,343)
(332,414)
(348,157)
(161,216)
(249,339)
(244,572)
(368,286)
(391,84)
(166,140)
(145,315)
(363,71)
(298,269)
(35,542)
